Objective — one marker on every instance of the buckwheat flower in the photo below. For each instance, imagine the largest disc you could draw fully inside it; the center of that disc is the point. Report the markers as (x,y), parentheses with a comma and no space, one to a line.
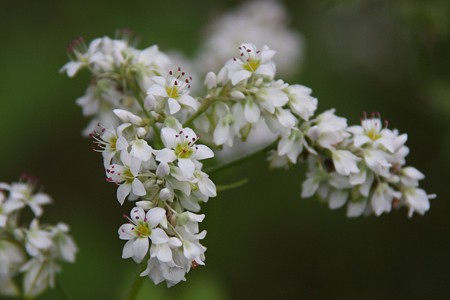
(251,61)
(170,272)
(181,147)
(39,275)
(173,90)
(327,129)
(82,56)
(128,117)
(141,149)
(224,132)
(301,102)
(36,239)
(65,247)
(126,176)
(345,162)
(410,176)
(142,227)
(417,200)
(383,197)
(292,145)
(22,194)
(205,185)
(263,23)
(377,161)
(6,208)
(110,141)
(12,258)
(371,132)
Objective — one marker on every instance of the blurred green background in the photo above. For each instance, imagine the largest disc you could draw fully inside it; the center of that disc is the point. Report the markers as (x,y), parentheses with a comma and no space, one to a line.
(264,242)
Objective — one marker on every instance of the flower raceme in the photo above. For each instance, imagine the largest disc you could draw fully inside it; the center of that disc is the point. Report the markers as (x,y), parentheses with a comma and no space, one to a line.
(151,149)
(35,251)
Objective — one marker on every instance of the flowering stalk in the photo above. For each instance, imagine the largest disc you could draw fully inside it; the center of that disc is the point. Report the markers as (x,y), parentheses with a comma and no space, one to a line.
(152,151)
(33,251)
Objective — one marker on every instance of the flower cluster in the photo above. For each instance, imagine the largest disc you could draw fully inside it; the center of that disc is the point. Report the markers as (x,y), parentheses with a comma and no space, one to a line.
(263,23)
(34,251)
(118,70)
(152,153)
(167,184)
(363,166)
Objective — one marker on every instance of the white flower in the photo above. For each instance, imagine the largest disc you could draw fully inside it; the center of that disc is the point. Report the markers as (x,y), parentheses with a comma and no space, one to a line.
(39,275)
(110,141)
(11,257)
(410,176)
(141,149)
(345,162)
(142,227)
(7,207)
(328,129)
(251,61)
(172,91)
(36,239)
(377,161)
(301,102)
(291,145)
(417,200)
(181,147)
(224,132)
(126,176)
(382,198)
(128,117)
(263,23)
(371,132)
(63,242)
(22,193)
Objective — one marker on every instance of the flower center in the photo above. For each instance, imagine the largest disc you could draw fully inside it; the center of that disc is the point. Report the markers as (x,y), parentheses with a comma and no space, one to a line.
(183,150)
(127,175)
(172,91)
(142,229)
(373,134)
(252,64)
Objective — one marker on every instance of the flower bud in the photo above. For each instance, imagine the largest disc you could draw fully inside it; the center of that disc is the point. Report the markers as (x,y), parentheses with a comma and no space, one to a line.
(141,132)
(165,194)
(210,80)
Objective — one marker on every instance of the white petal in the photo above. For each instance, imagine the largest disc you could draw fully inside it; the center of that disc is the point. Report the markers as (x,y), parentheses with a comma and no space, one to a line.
(140,248)
(187,167)
(238,76)
(355,209)
(137,214)
(155,215)
(168,136)
(141,150)
(174,106)
(164,253)
(123,191)
(337,199)
(252,112)
(126,232)
(189,101)
(138,188)
(157,90)
(165,155)
(127,251)
(202,152)
(159,236)
(221,133)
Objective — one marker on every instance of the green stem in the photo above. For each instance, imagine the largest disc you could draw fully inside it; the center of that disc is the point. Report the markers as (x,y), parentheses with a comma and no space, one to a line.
(61,290)
(225,187)
(205,105)
(241,159)
(134,291)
